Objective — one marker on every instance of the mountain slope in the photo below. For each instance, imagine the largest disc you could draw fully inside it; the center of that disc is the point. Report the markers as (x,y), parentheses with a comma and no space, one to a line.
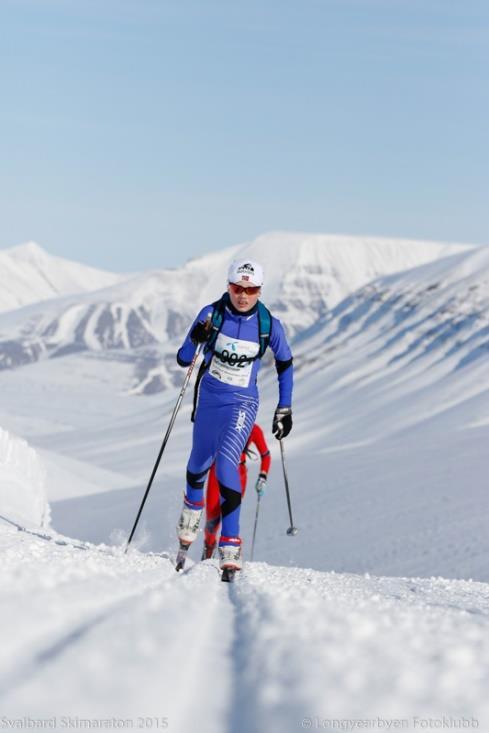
(28,274)
(415,342)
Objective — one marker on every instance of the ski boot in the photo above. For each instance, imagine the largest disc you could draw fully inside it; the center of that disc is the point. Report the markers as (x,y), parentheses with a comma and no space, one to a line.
(230,560)
(187,528)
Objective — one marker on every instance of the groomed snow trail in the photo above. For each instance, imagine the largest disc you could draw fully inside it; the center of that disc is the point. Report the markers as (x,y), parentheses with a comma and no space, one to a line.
(96,634)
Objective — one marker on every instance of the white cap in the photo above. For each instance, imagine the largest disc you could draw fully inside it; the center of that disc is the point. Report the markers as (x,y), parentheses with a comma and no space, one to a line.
(247,270)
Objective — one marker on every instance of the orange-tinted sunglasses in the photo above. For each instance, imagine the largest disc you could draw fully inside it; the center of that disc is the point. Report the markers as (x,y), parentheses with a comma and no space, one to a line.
(250,290)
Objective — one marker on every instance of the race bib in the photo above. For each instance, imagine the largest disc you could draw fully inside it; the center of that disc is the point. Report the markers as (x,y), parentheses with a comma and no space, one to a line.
(231,360)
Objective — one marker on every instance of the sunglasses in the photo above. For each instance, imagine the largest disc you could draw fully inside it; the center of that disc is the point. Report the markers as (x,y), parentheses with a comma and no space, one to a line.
(238,289)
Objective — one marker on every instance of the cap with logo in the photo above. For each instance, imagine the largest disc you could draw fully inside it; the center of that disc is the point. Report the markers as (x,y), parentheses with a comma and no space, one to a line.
(246,270)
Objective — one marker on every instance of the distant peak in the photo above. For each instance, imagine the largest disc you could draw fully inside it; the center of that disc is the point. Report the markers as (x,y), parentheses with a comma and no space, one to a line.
(28,250)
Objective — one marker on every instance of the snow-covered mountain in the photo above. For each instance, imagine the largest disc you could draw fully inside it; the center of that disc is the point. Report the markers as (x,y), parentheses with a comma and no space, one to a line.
(410,341)
(28,274)
(306,275)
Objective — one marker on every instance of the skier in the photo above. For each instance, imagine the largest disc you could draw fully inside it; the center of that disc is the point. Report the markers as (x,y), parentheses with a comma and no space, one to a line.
(226,401)
(212,503)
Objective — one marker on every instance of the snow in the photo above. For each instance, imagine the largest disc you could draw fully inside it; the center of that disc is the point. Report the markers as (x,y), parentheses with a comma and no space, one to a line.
(376,611)
(22,482)
(129,638)
(29,274)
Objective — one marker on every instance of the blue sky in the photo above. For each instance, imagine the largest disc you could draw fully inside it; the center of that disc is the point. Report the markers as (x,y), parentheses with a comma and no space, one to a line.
(139,133)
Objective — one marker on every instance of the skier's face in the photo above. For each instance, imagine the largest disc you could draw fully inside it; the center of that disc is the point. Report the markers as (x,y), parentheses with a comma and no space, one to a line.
(243,301)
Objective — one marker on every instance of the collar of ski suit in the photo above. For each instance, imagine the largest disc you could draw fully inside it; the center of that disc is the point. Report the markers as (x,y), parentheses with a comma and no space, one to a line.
(235,312)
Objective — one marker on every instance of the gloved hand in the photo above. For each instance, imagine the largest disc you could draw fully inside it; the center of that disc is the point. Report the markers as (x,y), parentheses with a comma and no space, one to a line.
(200,332)
(282,422)
(261,484)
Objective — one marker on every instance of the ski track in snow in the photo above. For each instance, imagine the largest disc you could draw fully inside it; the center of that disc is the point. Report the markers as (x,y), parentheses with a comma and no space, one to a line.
(97,633)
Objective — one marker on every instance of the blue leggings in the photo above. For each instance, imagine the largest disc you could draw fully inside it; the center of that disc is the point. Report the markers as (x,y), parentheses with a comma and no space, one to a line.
(220,435)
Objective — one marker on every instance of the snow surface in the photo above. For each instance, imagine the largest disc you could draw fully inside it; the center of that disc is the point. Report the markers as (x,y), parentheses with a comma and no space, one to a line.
(100,634)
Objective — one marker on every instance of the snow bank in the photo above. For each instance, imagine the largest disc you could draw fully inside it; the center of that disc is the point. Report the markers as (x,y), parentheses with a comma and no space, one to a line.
(22,481)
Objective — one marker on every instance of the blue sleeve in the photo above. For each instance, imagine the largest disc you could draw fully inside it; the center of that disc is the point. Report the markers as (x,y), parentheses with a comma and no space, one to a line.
(283,363)
(186,352)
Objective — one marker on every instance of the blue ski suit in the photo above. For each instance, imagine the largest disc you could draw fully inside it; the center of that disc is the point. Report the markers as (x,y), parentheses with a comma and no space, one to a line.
(227,404)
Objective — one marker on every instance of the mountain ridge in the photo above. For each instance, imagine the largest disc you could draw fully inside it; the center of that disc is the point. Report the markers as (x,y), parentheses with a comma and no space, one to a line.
(29,274)
(306,275)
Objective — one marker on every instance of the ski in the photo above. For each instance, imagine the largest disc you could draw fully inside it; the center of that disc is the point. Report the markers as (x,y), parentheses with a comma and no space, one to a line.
(228,575)
(181,556)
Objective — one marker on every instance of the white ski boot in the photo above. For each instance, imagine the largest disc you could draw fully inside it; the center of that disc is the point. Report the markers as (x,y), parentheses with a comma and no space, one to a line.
(229,561)
(188,524)
(187,529)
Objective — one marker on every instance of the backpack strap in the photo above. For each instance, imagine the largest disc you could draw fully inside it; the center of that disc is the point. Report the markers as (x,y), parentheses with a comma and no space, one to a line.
(218,308)
(264,327)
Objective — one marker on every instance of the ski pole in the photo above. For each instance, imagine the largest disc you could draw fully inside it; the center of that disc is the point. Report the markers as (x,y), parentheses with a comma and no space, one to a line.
(292,531)
(254,529)
(165,440)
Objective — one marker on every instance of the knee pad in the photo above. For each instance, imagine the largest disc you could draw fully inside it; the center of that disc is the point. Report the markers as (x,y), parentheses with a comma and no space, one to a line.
(231,499)
(196,480)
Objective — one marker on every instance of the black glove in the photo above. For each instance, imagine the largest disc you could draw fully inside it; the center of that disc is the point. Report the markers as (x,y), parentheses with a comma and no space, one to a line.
(200,333)
(282,422)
